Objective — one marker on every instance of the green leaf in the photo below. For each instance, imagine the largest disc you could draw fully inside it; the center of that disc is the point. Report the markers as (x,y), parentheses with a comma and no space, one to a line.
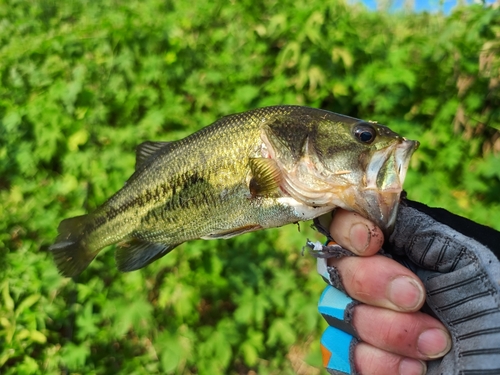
(74,356)
(281,332)
(7,299)
(27,303)
(77,139)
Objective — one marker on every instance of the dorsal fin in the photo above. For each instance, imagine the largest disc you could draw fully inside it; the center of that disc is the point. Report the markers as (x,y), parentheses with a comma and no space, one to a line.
(266,177)
(147,149)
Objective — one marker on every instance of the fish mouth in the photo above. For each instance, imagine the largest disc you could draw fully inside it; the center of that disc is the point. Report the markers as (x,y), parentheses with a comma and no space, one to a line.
(385,175)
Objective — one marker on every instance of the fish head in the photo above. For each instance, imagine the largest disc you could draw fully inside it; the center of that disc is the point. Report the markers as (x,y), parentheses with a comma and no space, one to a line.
(373,164)
(338,161)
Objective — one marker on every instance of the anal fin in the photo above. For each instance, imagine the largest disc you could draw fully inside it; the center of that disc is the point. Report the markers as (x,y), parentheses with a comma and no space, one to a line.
(136,254)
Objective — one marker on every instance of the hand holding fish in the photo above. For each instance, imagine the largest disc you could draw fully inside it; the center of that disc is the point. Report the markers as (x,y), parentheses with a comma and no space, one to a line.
(390,297)
(387,330)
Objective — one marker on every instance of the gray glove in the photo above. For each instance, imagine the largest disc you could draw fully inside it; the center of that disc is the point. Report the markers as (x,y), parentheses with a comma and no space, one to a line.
(458,262)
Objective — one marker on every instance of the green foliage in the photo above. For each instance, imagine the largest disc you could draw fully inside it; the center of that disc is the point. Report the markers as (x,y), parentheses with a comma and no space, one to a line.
(83,82)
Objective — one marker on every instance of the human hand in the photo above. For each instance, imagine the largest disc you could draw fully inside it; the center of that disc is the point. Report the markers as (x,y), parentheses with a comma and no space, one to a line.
(458,262)
(395,337)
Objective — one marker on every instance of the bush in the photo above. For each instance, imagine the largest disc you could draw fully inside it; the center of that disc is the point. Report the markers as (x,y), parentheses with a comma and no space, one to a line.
(83,82)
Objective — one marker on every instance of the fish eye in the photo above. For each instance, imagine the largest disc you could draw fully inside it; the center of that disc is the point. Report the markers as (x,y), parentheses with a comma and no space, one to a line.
(365,133)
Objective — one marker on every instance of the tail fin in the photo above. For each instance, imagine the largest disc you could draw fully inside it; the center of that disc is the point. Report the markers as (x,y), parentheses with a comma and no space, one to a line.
(71,253)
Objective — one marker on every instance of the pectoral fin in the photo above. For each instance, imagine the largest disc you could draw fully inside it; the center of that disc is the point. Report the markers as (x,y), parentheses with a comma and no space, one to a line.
(266,178)
(135,254)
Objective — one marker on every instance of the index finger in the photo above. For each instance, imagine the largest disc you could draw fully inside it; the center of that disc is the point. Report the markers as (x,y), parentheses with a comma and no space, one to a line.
(355,233)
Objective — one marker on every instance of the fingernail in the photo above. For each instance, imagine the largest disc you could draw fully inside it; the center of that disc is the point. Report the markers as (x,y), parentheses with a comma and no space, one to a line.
(434,343)
(360,237)
(410,366)
(405,293)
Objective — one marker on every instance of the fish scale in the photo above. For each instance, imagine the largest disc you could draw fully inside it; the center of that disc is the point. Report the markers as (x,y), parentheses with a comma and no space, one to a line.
(258,169)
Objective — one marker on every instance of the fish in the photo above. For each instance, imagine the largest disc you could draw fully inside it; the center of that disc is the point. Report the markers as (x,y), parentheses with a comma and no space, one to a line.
(259,169)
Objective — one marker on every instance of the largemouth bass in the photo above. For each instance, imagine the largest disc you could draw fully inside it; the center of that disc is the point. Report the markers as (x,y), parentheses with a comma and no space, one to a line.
(258,169)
